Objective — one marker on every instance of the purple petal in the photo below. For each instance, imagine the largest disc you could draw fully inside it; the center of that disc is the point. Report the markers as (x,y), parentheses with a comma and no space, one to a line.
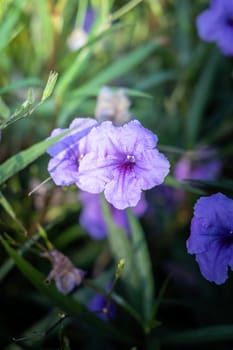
(123,190)
(64,172)
(208,24)
(151,168)
(214,262)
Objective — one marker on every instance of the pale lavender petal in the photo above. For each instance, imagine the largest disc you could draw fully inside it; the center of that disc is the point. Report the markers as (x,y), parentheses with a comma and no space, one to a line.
(124,190)
(151,167)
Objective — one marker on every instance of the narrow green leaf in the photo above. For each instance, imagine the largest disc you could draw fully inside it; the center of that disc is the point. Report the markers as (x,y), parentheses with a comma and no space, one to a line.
(200,336)
(123,65)
(171,181)
(114,70)
(24,158)
(144,268)
(200,98)
(81,62)
(69,305)
(122,249)
(9,27)
(4,110)
(20,84)
(156,79)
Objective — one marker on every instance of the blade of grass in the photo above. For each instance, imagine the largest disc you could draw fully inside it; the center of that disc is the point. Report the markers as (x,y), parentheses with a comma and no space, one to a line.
(144,268)
(69,305)
(19,161)
(114,70)
(199,100)
(200,336)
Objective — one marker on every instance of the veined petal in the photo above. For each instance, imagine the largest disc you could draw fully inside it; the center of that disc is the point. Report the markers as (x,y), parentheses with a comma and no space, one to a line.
(63,171)
(214,262)
(123,190)
(151,168)
(95,172)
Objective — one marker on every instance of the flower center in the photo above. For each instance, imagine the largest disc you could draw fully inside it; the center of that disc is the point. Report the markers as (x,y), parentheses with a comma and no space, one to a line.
(80,158)
(128,162)
(230,21)
(130,158)
(227,239)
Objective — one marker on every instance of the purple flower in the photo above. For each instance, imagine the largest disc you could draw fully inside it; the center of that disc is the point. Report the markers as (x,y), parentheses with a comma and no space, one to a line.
(99,304)
(67,153)
(211,236)
(92,220)
(204,164)
(216,25)
(122,162)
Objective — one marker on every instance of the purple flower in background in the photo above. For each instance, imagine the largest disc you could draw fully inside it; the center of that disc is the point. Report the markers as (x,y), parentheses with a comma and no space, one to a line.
(211,236)
(204,164)
(113,106)
(67,153)
(122,162)
(98,304)
(216,25)
(79,36)
(92,220)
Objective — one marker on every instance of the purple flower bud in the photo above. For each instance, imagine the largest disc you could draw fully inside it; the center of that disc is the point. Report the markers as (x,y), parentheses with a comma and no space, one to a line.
(216,25)
(211,237)
(113,106)
(64,273)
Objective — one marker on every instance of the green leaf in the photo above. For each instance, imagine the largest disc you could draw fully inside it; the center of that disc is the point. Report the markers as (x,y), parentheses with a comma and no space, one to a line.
(171,181)
(114,70)
(4,110)
(144,268)
(200,336)
(122,249)
(9,27)
(20,84)
(19,161)
(156,79)
(69,305)
(200,97)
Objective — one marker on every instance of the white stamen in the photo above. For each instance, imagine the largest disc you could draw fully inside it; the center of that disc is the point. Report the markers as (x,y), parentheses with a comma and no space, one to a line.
(131,158)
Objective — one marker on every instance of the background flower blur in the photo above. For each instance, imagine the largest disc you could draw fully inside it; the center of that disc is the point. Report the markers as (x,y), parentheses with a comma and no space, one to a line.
(76,64)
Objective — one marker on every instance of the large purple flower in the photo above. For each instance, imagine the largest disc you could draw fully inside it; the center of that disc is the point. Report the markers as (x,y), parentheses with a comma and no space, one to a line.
(122,162)
(211,236)
(216,25)
(67,153)
(92,219)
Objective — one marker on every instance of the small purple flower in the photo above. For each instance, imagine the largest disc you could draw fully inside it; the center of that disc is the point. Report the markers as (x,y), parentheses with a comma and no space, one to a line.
(92,220)
(204,164)
(122,162)
(216,25)
(99,304)
(211,236)
(67,153)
